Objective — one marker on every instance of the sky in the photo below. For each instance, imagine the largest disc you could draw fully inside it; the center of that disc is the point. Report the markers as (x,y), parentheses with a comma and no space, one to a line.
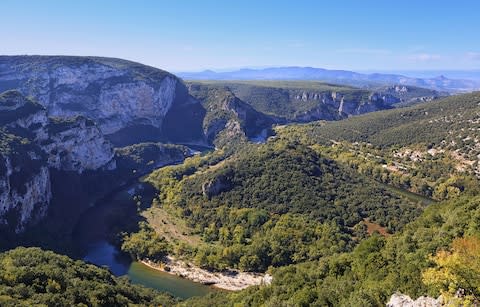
(193,35)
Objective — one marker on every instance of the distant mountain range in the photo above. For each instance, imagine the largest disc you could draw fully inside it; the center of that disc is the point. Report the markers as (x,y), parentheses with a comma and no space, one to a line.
(440,83)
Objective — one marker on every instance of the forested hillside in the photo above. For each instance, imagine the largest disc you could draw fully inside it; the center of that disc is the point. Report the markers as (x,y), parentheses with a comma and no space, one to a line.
(303,206)
(451,123)
(33,277)
(431,149)
(379,267)
(271,205)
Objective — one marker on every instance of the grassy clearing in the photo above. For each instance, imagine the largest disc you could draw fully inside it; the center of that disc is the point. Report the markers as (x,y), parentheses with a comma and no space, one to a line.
(372,227)
(172,228)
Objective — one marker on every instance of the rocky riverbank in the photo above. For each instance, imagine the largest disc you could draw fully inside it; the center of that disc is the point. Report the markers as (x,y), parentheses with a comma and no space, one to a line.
(231,280)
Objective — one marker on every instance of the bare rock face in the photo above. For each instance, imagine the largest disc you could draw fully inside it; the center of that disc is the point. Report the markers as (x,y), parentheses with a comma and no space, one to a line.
(76,144)
(402,300)
(72,144)
(216,186)
(30,145)
(25,189)
(114,93)
(226,116)
(28,205)
(341,103)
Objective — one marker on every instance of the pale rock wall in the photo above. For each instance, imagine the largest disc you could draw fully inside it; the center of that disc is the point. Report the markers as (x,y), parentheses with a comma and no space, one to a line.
(79,148)
(402,300)
(31,203)
(25,187)
(114,93)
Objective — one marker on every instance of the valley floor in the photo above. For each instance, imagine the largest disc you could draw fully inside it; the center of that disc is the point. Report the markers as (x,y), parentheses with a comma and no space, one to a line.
(231,280)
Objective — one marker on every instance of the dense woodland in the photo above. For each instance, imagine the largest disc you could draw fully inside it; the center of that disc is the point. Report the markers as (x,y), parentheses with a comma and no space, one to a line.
(274,205)
(427,257)
(33,277)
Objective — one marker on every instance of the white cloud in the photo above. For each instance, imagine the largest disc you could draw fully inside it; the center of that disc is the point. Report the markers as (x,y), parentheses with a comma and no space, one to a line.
(425,57)
(473,56)
(370,51)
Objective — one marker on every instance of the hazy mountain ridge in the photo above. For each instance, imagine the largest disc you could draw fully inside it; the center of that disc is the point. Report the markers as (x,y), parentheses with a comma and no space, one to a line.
(372,80)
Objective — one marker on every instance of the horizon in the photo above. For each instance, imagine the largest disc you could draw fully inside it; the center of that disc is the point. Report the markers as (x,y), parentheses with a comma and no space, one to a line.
(414,73)
(185,36)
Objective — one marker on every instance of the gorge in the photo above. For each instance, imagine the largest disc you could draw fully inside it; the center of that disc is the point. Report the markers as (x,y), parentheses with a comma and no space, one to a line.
(257,177)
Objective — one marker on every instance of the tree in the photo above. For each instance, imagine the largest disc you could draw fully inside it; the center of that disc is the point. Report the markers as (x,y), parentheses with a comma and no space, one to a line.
(457,272)
(146,244)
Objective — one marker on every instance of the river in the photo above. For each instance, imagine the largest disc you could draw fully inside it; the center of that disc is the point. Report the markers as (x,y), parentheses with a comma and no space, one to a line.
(95,231)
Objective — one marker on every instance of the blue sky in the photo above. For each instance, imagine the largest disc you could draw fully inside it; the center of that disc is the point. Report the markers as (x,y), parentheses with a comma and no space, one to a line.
(180,35)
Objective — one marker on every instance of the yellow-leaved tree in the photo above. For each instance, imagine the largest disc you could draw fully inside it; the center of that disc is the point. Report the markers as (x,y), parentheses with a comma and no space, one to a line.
(457,272)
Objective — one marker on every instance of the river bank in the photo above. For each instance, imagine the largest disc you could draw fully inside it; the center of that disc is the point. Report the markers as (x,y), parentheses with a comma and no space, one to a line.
(231,280)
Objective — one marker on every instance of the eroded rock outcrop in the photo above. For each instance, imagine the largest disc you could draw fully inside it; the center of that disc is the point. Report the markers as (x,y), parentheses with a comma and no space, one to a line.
(30,145)
(76,144)
(25,189)
(226,116)
(217,185)
(115,93)
(402,300)
(344,104)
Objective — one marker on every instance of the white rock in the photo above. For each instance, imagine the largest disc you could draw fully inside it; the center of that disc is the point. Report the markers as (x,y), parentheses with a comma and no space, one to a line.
(402,300)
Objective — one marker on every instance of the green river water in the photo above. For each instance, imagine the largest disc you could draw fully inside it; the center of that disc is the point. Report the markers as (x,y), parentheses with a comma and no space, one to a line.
(91,236)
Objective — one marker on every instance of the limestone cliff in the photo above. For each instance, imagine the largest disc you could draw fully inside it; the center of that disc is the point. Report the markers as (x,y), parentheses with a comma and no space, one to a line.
(72,143)
(226,116)
(336,105)
(30,145)
(291,101)
(115,94)
(76,144)
(25,190)
(402,300)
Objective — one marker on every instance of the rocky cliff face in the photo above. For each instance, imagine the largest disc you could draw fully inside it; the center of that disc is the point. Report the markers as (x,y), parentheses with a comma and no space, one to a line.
(402,300)
(336,105)
(30,145)
(71,143)
(25,190)
(343,104)
(115,93)
(226,116)
(76,144)
(310,101)
(18,207)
